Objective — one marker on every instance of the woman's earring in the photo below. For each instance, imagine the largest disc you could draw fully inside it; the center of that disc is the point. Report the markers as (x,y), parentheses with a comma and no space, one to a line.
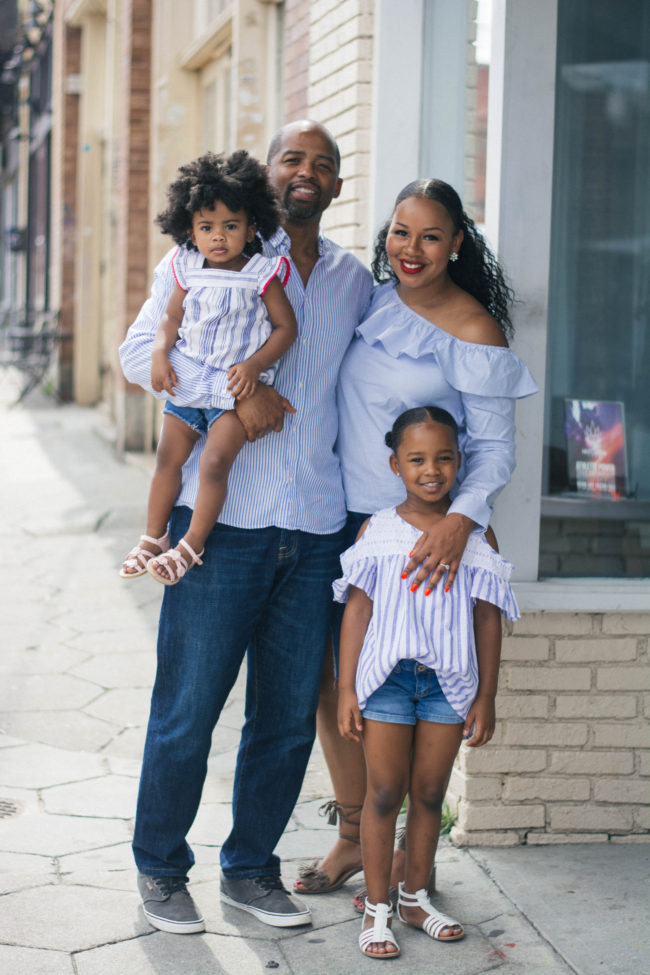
(453,256)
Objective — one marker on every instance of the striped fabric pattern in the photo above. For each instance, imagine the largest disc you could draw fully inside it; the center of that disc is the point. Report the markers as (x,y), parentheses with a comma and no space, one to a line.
(435,630)
(290,479)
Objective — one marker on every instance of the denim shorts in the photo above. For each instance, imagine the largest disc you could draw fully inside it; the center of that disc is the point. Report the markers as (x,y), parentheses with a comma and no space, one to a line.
(199,420)
(411,693)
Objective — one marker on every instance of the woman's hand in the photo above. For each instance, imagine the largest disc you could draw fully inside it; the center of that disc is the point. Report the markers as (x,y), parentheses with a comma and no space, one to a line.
(349,716)
(163,376)
(262,412)
(438,552)
(481,717)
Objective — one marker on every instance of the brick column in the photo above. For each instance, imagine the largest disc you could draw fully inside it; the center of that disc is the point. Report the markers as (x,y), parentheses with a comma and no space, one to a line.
(132,272)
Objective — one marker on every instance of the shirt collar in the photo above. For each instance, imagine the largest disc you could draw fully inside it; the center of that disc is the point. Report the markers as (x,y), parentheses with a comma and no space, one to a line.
(281,242)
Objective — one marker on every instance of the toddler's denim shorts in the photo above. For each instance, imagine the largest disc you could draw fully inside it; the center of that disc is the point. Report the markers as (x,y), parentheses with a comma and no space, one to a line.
(411,693)
(199,420)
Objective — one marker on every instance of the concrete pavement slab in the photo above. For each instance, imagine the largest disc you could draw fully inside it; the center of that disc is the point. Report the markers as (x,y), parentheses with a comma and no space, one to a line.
(71,730)
(110,867)
(37,832)
(129,743)
(566,890)
(45,692)
(107,797)
(38,660)
(125,707)
(19,871)
(71,918)
(31,961)
(164,954)
(37,766)
(111,670)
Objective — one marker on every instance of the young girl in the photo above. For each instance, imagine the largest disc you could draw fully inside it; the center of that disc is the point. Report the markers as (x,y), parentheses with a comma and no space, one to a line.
(228,309)
(418,671)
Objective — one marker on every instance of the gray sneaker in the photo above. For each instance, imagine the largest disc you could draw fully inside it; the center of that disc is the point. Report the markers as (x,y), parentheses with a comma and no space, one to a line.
(168,906)
(266,899)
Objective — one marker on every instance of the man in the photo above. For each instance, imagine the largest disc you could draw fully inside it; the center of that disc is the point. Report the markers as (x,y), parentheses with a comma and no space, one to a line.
(265,586)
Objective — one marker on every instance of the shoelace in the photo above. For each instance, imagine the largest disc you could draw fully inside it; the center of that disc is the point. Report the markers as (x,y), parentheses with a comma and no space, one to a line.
(269,883)
(170,885)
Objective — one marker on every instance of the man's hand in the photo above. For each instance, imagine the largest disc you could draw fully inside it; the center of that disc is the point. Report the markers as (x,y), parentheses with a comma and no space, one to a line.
(439,547)
(262,412)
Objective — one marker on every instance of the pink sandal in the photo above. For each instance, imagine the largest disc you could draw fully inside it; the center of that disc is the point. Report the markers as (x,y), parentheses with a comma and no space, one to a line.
(139,557)
(174,564)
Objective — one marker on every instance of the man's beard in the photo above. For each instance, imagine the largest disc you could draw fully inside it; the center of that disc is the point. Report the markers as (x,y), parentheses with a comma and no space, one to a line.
(301,209)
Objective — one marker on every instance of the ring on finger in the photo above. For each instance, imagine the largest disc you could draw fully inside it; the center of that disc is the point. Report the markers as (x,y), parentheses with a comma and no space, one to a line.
(445,566)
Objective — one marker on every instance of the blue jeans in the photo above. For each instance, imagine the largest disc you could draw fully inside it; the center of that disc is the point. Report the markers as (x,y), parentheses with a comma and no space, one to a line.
(265,593)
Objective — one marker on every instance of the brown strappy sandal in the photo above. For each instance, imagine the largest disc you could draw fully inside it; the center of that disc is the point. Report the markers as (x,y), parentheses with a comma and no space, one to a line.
(313,880)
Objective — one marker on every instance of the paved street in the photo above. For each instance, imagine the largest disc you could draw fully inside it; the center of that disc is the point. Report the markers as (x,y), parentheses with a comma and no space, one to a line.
(76,668)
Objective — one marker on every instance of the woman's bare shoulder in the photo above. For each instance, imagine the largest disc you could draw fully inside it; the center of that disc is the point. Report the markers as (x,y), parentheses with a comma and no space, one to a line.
(476,325)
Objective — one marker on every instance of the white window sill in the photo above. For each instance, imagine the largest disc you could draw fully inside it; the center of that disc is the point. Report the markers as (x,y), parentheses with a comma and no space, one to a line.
(584,595)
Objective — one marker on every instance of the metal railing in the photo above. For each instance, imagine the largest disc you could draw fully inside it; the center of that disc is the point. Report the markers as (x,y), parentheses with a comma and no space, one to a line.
(27,343)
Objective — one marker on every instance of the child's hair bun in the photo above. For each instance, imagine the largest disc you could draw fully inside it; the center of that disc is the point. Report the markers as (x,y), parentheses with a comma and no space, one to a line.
(388,440)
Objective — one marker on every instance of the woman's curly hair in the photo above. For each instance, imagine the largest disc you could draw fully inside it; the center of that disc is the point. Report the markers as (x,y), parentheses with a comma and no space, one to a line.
(238,181)
(476,271)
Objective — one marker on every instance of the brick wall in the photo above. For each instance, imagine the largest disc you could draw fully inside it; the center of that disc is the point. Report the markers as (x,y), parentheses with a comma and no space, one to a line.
(570,761)
(296,60)
(340,94)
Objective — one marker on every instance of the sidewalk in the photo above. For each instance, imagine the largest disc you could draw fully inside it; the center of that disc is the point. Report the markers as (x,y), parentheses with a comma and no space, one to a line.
(76,669)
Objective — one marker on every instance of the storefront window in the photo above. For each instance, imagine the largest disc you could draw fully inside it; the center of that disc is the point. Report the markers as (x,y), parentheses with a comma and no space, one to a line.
(596,504)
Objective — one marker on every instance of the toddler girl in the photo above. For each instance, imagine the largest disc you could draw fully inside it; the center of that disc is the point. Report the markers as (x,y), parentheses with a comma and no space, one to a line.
(228,309)
(418,671)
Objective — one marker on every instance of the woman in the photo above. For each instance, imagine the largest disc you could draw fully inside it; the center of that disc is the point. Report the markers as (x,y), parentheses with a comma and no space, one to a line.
(435,332)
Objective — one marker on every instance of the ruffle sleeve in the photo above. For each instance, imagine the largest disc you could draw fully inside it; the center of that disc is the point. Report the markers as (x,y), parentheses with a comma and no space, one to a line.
(178,268)
(359,572)
(490,576)
(485,370)
(275,266)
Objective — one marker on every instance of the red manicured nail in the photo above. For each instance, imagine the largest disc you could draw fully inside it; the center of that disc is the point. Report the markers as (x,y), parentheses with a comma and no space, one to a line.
(427,592)
(413,587)
(447,588)
(411,553)
(405,575)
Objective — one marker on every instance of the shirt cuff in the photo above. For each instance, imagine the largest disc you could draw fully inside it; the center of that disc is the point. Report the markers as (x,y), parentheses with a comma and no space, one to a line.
(479,511)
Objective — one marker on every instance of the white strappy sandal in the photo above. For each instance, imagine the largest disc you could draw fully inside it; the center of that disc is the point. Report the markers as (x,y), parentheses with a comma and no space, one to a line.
(379,932)
(139,557)
(174,564)
(435,923)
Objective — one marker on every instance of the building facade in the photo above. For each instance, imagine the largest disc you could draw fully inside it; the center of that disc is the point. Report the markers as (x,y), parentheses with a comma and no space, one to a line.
(539,114)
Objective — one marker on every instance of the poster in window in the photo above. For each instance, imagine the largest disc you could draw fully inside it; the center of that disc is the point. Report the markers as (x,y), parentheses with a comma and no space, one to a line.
(596,449)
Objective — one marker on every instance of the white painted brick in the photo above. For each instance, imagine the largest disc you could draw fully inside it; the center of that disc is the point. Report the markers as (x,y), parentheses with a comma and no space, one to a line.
(550,839)
(498,837)
(486,816)
(559,624)
(623,678)
(545,733)
(545,788)
(547,678)
(622,790)
(643,759)
(509,705)
(591,762)
(605,648)
(595,706)
(642,818)
(471,787)
(623,735)
(632,838)
(525,648)
(638,623)
(489,760)
(615,819)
